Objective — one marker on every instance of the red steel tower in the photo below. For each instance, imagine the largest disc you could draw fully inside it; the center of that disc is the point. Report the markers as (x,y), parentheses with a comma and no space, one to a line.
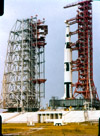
(84,46)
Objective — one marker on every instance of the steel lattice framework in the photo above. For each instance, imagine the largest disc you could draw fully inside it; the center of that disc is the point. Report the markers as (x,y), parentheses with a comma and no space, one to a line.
(24,74)
(84,63)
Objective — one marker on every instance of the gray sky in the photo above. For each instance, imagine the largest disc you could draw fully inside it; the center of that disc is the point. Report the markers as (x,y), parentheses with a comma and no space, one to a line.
(55,15)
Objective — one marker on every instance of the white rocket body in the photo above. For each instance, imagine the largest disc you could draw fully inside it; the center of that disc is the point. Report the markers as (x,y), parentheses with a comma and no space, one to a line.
(67,65)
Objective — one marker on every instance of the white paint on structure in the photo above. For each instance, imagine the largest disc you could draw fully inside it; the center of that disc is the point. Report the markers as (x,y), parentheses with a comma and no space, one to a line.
(67,64)
(50,116)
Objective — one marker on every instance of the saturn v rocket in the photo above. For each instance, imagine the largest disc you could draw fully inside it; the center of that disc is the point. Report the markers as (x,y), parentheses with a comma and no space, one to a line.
(67,64)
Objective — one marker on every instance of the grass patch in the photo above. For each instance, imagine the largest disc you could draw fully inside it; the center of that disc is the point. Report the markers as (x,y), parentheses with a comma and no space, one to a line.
(14,128)
(47,129)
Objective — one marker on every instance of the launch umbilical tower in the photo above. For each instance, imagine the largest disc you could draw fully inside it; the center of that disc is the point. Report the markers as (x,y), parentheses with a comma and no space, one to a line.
(83,90)
(84,45)
(24,73)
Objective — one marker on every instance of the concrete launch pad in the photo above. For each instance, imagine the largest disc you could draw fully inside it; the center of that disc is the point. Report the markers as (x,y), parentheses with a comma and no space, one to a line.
(51,116)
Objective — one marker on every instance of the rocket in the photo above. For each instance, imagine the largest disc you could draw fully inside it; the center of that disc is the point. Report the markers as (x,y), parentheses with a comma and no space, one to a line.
(67,64)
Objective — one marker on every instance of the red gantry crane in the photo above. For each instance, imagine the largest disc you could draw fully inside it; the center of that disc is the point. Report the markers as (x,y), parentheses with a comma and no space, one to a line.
(83,91)
(84,45)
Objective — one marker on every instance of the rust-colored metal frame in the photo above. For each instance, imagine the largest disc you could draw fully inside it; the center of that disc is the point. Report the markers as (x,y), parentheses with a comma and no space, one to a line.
(84,63)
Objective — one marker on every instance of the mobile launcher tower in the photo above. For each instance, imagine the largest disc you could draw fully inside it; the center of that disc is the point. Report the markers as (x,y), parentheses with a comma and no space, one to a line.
(83,91)
(24,73)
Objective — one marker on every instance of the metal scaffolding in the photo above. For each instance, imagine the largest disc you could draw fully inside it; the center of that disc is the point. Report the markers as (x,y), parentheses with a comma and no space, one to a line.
(84,63)
(24,73)
(83,91)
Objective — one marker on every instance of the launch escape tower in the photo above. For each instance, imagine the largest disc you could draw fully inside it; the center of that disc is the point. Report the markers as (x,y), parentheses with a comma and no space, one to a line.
(84,88)
(24,73)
